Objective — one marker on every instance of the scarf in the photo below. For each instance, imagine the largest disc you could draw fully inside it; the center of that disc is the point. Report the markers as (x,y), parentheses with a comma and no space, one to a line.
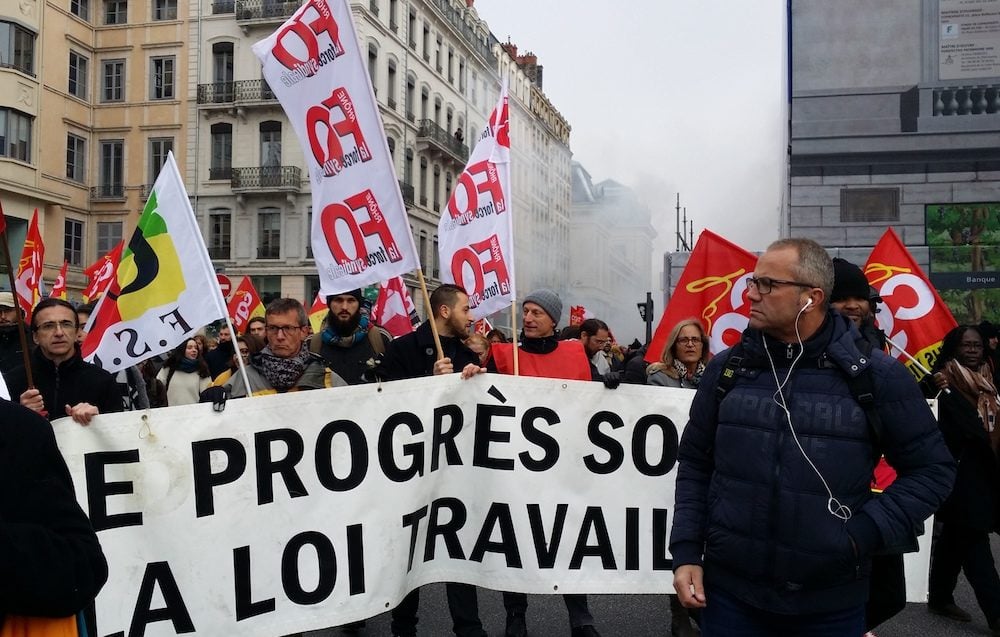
(682,372)
(331,337)
(977,387)
(187,365)
(281,373)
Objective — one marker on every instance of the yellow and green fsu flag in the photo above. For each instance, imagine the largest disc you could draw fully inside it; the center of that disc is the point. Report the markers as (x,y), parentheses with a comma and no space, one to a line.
(164,287)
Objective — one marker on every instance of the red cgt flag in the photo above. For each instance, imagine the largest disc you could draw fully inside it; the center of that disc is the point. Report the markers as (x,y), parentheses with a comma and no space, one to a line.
(482,326)
(244,305)
(394,309)
(711,288)
(59,287)
(915,318)
(29,269)
(101,273)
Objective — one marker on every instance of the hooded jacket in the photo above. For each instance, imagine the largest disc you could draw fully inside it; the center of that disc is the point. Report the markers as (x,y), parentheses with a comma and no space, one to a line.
(749,507)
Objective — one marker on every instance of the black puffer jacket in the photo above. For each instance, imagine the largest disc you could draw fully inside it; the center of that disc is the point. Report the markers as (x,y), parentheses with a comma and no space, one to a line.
(749,507)
(69,383)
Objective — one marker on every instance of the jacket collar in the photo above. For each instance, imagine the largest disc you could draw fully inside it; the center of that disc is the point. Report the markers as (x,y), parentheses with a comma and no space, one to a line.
(40,361)
(832,345)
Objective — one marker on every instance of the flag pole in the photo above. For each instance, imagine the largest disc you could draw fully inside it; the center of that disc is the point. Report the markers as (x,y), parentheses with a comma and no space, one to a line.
(918,364)
(430,313)
(17,306)
(513,331)
(236,348)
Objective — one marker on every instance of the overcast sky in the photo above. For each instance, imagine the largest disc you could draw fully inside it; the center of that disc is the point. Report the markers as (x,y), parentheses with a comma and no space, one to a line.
(668,96)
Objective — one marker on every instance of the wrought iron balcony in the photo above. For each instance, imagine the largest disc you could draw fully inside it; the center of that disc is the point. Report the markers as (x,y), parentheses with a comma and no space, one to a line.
(440,139)
(408,192)
(275,178)
(458,23)
(242,93)
(107,192)
(265,11)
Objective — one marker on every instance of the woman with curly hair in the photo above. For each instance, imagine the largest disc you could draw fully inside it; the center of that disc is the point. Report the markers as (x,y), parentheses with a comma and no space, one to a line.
(683,359)
(185,374)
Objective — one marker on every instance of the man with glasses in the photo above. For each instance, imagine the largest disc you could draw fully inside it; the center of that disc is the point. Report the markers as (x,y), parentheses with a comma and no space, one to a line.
(285,364)
(64,384)
(594,335)
(774,524)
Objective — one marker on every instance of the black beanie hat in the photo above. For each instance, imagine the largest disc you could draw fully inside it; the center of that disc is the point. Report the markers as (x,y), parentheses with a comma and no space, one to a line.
(356,293)
(848,281)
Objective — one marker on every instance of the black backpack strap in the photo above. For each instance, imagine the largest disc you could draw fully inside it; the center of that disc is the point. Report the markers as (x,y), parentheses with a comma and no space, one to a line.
(728,376)
(862,389)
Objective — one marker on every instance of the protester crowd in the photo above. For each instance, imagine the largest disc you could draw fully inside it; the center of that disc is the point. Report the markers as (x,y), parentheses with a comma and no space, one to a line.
(804,536)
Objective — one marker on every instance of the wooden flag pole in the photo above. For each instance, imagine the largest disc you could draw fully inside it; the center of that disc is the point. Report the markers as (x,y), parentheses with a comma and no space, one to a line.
(430,313)
(17,306)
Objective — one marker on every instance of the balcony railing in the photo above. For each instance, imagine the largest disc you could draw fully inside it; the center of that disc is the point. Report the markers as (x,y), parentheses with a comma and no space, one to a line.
(239,92)
(265,10)
(107,191)
(439,137)
(263,177)
(220,173)
(407,191)
(967,100)
(455,17)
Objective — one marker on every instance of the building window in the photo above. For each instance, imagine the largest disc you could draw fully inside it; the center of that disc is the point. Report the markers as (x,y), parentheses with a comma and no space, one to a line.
(268,287)
(77,75)
(411,29)
(373,65)
(408,166)
(423,181)
(109,235)
(411,92)
(112,182)
(115,12)
(164,9)
(392,146)
(436,191)
(80,8)
(222,152)
(309,245)
(270,143)
(17,48)
(393,13)
(436,261)
(427,42)
(866,205)
(269,234)
(15,134)
(422,246)
(73,242)
(425,97)
(219,233)
(161,78)
(373,6)
(223,65)
(158,149)
(390,79)
(76,158)
(113,86)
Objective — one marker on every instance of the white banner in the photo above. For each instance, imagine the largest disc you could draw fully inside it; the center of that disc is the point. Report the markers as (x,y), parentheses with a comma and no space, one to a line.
(475,232)
(249,522)
(360,231)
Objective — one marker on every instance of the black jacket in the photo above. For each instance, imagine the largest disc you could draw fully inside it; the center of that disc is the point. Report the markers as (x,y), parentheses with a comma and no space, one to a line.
(74,381)
(10,348)
(751,509)
(975,500)
(50,558)
(413,355)
(351,363)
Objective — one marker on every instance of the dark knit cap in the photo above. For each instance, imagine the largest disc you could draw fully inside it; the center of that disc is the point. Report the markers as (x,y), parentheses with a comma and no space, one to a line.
(548,301)
(848,282)
(356,293)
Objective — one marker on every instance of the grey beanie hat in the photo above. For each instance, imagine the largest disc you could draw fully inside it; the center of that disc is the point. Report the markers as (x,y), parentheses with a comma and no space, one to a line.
(548,301)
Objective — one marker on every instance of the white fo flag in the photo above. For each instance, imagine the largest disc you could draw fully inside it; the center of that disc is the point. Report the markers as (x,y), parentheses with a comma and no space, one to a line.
(475,233)
(360,231)
(164,288)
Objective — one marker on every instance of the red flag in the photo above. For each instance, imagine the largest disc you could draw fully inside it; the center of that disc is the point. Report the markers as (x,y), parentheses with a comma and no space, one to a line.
(29,269)
(101,273)
(915,318)
(59,287)
(244,305)
(394,309)
(482,326)
(576,315)
(3,219)
(712,288)
(317,313)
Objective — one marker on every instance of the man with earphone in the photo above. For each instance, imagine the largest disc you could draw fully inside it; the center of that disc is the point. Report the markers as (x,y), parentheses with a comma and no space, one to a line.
(774,524)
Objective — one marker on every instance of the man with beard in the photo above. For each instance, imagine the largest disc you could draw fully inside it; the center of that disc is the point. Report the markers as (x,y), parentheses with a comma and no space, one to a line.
(10,340)
(412,356)
(348,341)
(594,335)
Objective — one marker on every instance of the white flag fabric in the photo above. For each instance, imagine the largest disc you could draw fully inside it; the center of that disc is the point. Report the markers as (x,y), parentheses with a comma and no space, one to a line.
(475,233)
(360,231)
(164,288)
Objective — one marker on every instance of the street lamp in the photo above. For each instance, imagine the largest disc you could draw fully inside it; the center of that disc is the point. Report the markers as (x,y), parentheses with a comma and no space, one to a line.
(646,313)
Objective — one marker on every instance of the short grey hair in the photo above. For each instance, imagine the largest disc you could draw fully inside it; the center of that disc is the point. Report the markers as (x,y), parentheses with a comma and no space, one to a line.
(815,265)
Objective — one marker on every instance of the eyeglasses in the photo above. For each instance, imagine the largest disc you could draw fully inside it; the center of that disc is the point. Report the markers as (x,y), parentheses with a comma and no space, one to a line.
(244,351)
(689,340)
(765,285)
(284,329)
(600,341)
(50,326)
